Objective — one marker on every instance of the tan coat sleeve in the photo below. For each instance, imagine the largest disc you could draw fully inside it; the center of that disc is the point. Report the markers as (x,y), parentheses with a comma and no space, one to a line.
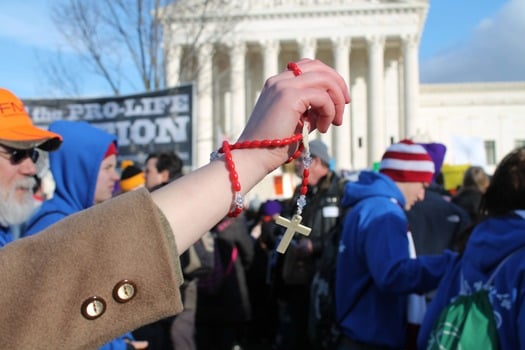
(46,278)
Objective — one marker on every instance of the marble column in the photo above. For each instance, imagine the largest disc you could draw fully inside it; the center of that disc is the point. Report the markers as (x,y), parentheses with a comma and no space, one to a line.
(342,135)
(392,95)
(411,77)
(173,66)
(375,123)
(204,114)
(271,50)
(307,47)
(238,91)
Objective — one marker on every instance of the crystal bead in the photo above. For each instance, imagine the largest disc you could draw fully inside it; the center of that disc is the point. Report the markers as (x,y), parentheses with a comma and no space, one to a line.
(239,200)
(301,201)
(307,161)
(215,155)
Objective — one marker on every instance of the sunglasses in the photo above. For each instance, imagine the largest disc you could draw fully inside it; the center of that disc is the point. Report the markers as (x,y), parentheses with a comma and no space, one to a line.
(17,156)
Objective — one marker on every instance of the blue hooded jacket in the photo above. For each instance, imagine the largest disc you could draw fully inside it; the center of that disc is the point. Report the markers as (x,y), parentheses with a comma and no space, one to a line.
(375,273)
(5,236)
(75,167)
(491,241)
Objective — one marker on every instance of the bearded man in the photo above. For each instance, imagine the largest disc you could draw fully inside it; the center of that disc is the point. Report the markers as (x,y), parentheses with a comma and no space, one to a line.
(19,140)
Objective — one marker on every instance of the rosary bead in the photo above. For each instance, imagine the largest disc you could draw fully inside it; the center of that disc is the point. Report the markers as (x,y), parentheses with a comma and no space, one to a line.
(234,177)
(294,68)
(238,200)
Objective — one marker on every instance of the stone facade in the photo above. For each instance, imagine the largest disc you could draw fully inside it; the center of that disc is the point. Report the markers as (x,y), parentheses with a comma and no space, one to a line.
(373,44)
(490,113)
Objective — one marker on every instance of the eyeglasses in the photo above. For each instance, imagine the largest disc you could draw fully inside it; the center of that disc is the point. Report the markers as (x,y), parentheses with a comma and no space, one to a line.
(17,156)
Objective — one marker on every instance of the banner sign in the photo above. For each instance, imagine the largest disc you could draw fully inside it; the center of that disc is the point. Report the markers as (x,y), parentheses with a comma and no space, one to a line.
(159,121)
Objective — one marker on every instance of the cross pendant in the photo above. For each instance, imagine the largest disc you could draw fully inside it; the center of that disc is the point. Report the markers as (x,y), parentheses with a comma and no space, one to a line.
(292,226)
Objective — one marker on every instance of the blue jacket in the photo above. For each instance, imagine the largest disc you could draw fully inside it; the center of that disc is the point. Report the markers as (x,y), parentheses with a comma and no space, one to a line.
(375,273)
(490,242)
(5,236)
(75,166)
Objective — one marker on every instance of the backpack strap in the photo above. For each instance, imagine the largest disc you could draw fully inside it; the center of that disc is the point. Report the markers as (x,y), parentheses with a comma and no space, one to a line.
(500,265)
(351,306)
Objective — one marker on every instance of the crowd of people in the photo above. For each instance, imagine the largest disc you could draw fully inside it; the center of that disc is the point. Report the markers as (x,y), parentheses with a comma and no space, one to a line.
(103,259)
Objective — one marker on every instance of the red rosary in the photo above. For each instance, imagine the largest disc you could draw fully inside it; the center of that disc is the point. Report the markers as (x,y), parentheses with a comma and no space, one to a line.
(237,207)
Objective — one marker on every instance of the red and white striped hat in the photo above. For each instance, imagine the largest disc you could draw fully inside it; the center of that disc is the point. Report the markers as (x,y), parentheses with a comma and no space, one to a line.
(407,161)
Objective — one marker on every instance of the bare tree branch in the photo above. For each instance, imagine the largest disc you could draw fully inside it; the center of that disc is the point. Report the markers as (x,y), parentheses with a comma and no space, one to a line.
(117,40)
(121,41)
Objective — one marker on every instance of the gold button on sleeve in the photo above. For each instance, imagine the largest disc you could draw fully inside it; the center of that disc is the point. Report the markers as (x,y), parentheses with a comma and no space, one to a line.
(124,291)
(93,307)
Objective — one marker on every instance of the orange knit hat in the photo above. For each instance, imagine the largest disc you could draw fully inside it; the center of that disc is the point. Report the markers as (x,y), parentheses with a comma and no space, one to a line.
(132,177)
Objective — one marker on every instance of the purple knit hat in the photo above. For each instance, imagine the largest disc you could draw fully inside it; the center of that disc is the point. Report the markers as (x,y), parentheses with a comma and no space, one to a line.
(271,207)
(436,151)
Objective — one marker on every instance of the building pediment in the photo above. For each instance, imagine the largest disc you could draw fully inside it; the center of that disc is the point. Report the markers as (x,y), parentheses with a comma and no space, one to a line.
(253,20)
(254,4)
(254,8)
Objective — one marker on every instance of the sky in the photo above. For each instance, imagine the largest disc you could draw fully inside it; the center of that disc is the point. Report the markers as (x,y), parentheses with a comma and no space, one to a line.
(462,41)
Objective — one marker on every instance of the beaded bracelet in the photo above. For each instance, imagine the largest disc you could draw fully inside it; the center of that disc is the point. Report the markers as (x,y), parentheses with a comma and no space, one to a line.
(238,201)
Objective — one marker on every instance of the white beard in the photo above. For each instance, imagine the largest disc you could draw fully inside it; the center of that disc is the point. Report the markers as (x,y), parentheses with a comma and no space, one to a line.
(12,211)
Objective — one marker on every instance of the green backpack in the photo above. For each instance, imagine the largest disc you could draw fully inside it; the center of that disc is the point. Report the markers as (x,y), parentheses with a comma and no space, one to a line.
(468,322)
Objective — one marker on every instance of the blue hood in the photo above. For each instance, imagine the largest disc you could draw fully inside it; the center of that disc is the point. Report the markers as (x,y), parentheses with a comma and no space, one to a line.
(491,241)
(371,184)
(75,166)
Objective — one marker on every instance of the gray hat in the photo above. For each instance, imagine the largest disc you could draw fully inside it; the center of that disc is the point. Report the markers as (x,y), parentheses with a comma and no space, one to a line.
(319,149)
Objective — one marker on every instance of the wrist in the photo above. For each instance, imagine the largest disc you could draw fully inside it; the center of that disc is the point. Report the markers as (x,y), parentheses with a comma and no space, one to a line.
(264,157)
